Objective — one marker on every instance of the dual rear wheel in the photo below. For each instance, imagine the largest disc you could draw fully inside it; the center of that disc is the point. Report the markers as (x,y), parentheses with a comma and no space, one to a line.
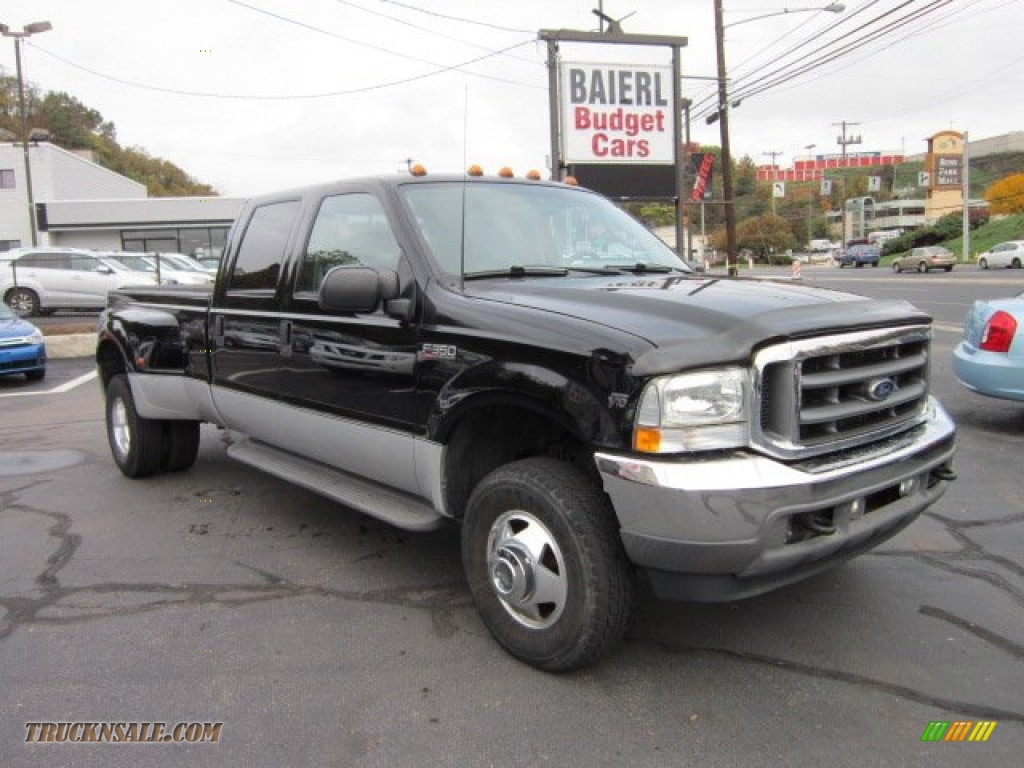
(142,447)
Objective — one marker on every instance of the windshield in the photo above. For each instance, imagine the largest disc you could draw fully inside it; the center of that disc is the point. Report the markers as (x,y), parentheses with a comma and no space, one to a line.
(135,263)
(529,226)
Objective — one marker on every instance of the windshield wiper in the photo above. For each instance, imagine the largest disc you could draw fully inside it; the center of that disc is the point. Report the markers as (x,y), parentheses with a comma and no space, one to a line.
(517,271)
(640,268)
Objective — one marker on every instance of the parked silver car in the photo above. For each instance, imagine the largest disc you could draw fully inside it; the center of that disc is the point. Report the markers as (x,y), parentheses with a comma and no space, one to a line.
(1008,254)
(37,281)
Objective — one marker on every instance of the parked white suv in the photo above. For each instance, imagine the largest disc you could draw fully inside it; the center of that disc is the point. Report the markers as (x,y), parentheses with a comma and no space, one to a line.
(40,280)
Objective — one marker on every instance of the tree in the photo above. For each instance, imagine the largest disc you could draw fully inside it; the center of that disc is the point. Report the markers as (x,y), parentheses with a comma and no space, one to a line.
(1007,194)
(768,236)
(75,126)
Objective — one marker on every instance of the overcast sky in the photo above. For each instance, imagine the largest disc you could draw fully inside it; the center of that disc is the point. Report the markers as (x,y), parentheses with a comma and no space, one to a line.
(256,95)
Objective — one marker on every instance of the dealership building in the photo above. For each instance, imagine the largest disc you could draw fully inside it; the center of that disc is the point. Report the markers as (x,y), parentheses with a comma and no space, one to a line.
(79,203)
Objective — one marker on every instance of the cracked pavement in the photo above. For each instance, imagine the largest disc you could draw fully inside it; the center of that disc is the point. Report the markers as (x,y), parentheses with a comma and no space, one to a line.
(322,637)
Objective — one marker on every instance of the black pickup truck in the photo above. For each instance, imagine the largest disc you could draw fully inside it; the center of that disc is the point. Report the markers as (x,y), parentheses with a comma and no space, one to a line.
(524,359)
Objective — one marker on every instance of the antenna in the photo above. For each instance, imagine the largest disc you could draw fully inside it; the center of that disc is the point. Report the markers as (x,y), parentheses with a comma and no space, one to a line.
(465,182)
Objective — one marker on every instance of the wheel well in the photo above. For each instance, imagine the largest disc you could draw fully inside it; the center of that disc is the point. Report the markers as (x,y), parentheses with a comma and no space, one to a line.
(496,435)
(110,362)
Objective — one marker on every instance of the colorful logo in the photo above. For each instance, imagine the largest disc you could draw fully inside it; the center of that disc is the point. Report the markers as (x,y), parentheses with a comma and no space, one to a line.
(958,730)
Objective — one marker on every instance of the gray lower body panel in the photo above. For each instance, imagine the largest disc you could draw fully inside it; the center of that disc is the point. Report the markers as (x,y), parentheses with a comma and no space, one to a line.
(742,524)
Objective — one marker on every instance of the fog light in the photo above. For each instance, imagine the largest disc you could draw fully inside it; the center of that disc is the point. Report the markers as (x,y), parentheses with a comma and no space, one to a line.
(909,486)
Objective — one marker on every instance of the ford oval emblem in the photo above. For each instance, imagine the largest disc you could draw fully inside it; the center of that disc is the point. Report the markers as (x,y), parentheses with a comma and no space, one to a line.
(881,389)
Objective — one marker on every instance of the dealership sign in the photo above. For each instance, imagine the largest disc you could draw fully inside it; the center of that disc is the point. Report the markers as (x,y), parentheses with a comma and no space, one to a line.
(616,113)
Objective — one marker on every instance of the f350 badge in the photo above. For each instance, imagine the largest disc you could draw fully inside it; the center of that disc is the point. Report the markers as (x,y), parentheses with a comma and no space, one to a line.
(438,352)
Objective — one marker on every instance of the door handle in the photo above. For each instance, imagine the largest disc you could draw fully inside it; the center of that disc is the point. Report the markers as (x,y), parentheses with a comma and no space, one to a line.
(285,335)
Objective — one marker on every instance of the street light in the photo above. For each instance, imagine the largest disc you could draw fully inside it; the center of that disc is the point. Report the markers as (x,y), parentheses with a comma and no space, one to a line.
(830,8)
(722,114)
(28,30)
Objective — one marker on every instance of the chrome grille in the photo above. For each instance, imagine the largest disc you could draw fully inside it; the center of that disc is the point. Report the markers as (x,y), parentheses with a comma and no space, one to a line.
(829,393)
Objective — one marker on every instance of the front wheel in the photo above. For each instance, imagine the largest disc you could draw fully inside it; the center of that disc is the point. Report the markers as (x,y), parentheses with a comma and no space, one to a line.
(545,564)
(896,268)
(983,263)
(1015,264)
(922,267)
(135,442)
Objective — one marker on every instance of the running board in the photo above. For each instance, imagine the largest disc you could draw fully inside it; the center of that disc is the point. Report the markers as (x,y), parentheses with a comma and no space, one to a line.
(399,509)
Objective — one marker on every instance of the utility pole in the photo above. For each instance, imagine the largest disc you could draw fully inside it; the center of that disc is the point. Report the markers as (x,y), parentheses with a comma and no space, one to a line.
(810,201)
(843,140)
(723,116)
(773,155)
(967,200)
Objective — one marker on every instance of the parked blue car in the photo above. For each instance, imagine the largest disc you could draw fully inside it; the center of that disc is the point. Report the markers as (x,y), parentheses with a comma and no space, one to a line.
(22,349)
(990,358)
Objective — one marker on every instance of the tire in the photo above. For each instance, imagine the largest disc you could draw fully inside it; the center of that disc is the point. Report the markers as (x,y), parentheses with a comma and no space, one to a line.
(135,442)
(874,264)
(948,269)
(859,264)
(922,267)
(180,445)
(896,268)
(983,263)
(1015,264)
(538,528)
(24,301)
(37,375)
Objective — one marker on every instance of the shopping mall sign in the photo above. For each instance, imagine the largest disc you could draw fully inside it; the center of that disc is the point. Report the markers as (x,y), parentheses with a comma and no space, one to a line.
(616,114)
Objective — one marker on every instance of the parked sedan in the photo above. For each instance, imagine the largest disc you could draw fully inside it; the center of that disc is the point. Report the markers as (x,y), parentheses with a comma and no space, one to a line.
(990,358)
(926,259)
(1008,254)
(22,349)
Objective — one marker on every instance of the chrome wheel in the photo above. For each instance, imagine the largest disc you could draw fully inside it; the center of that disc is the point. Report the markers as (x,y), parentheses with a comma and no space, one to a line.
(527,570)
(120,432)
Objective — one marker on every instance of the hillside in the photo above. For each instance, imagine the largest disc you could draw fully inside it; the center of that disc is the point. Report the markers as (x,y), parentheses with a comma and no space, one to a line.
(72,125)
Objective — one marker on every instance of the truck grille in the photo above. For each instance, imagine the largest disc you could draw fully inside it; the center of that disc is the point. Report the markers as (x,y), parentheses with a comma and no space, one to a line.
(834,392)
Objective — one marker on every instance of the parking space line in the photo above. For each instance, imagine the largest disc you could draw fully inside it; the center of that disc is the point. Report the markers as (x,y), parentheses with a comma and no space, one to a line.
(66,387)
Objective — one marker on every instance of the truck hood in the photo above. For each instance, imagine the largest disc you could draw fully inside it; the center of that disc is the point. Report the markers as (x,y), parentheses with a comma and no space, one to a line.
(691,321)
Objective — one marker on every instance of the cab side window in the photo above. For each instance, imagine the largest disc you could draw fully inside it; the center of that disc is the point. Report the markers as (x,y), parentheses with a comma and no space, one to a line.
(262,250)
(349,229)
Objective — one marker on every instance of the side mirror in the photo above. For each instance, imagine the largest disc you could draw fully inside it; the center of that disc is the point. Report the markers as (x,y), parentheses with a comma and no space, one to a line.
(357,289)
(104,270)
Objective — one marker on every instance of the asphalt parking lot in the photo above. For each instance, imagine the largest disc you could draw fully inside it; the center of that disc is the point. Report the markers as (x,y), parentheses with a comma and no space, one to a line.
(318,636)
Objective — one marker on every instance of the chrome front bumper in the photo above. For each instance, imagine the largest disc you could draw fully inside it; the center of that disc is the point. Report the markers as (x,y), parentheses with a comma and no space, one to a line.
(726,527)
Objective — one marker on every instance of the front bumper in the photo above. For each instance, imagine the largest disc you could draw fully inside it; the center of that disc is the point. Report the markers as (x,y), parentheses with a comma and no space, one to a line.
(733,526)
(22,358)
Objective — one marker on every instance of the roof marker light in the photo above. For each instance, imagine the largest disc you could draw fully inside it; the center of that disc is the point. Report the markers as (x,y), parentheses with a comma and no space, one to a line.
(506,173)
(418,170)
(475,170)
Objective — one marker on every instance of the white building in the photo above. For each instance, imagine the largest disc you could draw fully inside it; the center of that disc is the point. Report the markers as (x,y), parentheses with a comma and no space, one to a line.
(82,204)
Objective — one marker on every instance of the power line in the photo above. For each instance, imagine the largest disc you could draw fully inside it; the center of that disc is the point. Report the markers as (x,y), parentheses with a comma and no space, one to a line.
(363,44)
(283,97)
(411,7)
(418,28)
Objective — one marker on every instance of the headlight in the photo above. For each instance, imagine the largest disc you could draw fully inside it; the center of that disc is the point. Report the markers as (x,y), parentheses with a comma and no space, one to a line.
(36,337)
(701,411)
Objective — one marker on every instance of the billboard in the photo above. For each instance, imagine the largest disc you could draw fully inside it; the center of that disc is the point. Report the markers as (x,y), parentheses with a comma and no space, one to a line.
(616,114)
